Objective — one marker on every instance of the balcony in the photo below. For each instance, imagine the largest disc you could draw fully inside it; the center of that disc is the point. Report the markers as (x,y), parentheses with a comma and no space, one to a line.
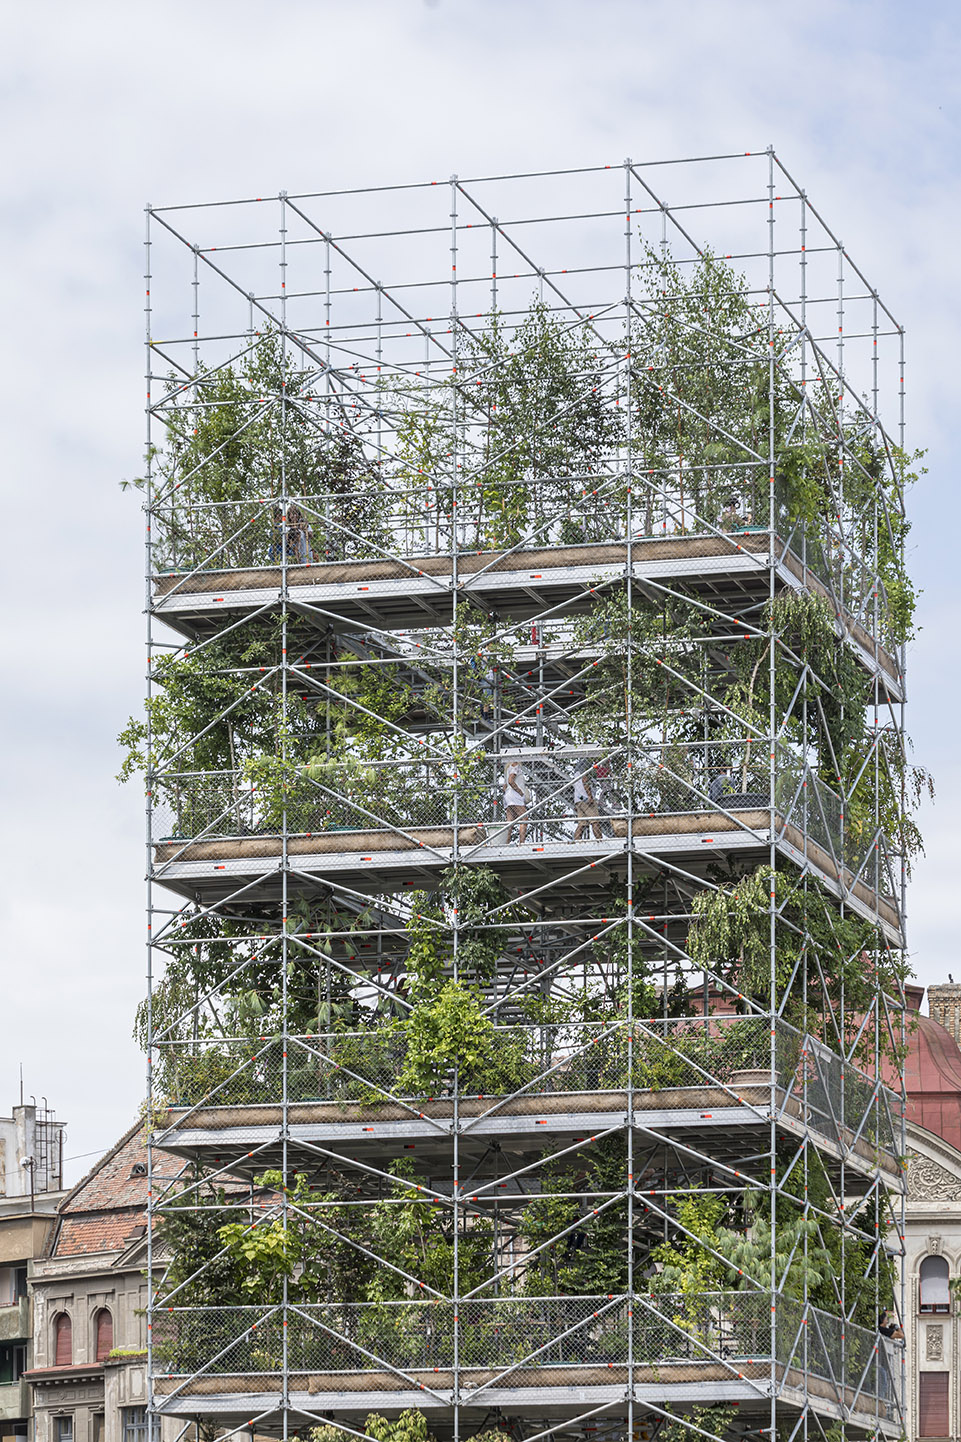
(16,1320)
(521,1352)
(14,1401)
(212,559)
(399,816)
(700,1076)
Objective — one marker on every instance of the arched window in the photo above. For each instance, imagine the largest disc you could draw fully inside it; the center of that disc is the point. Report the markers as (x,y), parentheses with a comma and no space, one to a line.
(63,1340)
(935,1294)
(104,1334)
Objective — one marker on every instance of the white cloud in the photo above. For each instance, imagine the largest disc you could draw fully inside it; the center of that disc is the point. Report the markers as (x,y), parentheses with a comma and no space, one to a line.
(106,106)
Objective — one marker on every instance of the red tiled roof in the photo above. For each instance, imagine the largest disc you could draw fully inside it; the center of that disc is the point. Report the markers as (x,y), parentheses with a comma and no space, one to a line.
(107,1232)
(113,1183)
(111,1200)
(932,1075)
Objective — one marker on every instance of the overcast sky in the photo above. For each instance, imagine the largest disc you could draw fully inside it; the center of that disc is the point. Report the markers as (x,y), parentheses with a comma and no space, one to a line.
(107,106)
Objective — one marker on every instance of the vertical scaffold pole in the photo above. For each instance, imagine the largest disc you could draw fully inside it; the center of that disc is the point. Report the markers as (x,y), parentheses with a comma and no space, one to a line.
(629,521)
(285,820)
(458,753)
(772,779)
(148,807)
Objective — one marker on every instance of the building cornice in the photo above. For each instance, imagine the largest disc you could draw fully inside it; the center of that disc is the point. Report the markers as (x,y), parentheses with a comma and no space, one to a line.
(75,1372)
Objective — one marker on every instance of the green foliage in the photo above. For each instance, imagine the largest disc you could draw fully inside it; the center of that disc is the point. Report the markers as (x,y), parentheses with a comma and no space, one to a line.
(467,895)
(448,1033)
(591,1258)
(630,686)
(843,474)
(472,894)
(530,419)
(713,1421)
(687,1263)
(410,1426)
(731,936)
(249,432)
(416,1232)
(547,420)
(290,1253)
(208,707)
(701,386)
(728,1243)
(199,1274)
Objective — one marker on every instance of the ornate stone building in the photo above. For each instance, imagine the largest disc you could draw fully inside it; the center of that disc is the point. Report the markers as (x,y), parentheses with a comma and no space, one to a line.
(89,1294)
(933,1232)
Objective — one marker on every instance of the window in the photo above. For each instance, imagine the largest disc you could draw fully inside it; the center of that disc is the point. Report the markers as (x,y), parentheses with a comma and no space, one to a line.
(935,1295)
(933,1404)
(63,1429)
(13,1361)
(104,1334)
(98,1421)
(13,1285)
(135,1425)
(63,1345)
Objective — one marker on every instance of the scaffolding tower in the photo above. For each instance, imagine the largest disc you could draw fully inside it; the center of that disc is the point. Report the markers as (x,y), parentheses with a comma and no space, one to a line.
(527,811)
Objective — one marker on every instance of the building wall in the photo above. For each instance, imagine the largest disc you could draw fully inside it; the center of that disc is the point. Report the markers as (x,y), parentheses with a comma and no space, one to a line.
(95,1395)
(97,1260)
(24,1234)
(81,1295)
(21,1151)
(933,1228)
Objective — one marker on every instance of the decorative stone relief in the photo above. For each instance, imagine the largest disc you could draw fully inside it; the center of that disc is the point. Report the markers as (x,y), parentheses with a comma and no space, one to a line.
(934,1343)
(934,1246)
(929,1181)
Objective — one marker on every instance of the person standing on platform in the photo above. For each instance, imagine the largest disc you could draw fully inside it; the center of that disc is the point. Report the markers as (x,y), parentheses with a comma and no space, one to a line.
(585,805)
(516,798)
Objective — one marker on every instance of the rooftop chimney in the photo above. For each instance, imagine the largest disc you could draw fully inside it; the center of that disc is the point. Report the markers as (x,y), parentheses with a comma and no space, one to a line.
(944,1006)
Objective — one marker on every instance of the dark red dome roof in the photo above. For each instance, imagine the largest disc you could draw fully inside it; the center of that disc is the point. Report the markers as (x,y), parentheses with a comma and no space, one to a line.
(932,1080)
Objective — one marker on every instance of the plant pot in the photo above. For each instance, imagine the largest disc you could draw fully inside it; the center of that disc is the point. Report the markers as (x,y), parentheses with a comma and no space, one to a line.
(751,1077)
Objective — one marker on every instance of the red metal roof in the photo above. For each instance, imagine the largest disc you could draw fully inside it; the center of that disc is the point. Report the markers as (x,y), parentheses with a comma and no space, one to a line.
(932,1079)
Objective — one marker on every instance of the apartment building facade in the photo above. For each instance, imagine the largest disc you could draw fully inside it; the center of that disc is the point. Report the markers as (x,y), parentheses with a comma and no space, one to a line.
(31,1165)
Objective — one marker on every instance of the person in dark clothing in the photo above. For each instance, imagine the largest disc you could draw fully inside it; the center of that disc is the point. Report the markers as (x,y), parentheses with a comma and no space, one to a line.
(722,785)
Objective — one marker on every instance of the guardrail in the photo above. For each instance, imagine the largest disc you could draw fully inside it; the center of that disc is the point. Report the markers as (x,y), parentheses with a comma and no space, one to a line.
(521,1341)
(671,1063)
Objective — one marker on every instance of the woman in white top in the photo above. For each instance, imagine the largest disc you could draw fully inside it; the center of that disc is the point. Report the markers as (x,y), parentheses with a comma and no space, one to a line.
(585,805)
(514,791)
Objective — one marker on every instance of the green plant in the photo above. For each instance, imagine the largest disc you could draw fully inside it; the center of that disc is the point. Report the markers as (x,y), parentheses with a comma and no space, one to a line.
(286,1254)
(417,1233)
(578,1240)
(731,935)
(409,1426)
(448,1032)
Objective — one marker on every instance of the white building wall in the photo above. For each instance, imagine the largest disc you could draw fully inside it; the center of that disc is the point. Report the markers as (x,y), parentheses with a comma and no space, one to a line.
(933,1228)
